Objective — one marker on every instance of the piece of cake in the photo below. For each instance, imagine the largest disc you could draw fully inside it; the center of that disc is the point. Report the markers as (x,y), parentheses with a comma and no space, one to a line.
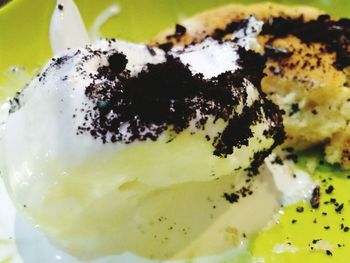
(307,71)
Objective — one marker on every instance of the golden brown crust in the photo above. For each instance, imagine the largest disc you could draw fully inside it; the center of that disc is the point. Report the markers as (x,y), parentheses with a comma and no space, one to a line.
(206,22)
(306,80)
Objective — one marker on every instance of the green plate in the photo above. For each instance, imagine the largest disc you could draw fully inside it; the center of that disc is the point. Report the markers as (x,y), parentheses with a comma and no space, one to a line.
(24,26)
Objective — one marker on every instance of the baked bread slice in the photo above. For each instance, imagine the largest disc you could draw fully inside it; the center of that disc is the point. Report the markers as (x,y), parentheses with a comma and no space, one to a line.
(307,69)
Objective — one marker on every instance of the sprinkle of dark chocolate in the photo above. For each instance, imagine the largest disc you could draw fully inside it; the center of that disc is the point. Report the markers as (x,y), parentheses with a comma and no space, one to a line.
(258,159)
(292,157)
(60,7)
(300,209)
(232,197)
(294,109)
(180,30)
(151,50)
(277,160)
(117,62)
(339,208)
(15,103)
(168,94)
(315,198)
(330,189)
(289,149)
(166,46)
(334,34)
(230,28)
(315,241)
(276,52)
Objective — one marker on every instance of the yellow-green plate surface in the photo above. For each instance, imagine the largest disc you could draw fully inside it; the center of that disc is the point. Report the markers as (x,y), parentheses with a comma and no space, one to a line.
(24,26)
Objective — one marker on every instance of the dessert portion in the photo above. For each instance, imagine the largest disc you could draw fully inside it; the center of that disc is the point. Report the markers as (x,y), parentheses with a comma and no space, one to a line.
(67,29)
(307,69)
(118,147)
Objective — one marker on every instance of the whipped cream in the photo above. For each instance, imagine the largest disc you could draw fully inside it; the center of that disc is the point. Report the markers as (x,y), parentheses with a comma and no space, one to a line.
(246,35)
(67,29)
(294,184)
(209,57)
(60,163)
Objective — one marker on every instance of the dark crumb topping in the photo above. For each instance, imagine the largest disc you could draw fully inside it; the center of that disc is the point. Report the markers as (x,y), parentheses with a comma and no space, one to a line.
(60,7)
(117,63)
(294,109)
(330,189)
(15,102)
(168,97)
(232,197)
(292,157)
(166,46)
(229,29)
(180,30)
(276,52)
(300,209)
(277,160)
(315,198)
(334,34)
(339,208)
(242,192)
(260,156)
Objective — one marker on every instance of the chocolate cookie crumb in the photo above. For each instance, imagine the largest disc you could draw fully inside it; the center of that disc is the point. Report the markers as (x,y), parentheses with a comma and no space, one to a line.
(330,189)
(232,197)
(117,62)
(168,95)
(300,209)
(276,52)
(339,208)
(315,198)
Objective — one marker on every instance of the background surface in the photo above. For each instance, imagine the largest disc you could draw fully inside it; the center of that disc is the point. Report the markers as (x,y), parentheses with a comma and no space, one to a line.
(24,27)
